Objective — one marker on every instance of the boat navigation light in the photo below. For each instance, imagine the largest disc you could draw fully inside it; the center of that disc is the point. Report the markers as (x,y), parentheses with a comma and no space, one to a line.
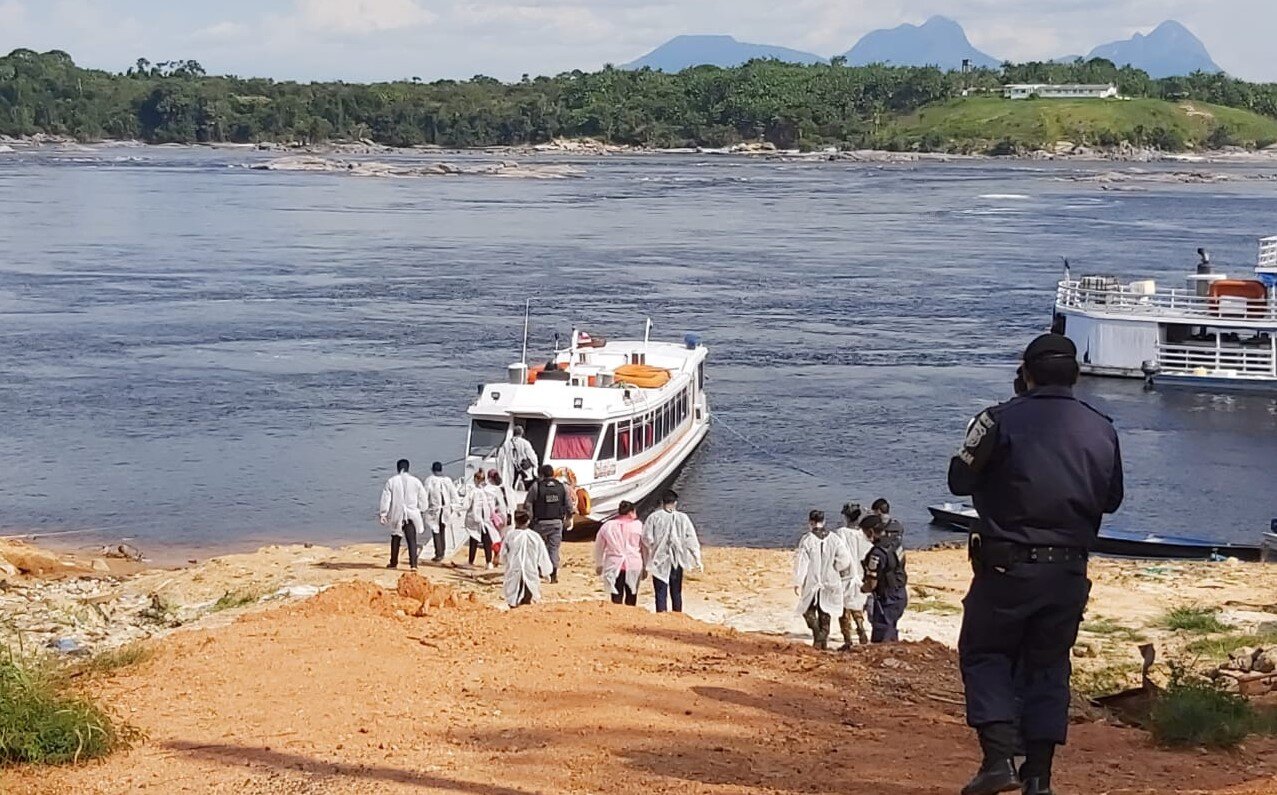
(496,396)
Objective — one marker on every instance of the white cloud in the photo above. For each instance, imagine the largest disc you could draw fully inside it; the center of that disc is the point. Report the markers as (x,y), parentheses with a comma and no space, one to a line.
(361,17)
(220,32)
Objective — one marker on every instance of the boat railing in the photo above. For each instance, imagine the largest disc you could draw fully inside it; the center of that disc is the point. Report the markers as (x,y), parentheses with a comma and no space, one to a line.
(1268,253)
(1240,361)
(1123,300)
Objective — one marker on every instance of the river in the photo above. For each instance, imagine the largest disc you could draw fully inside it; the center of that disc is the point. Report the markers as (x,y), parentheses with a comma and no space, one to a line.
(197,355)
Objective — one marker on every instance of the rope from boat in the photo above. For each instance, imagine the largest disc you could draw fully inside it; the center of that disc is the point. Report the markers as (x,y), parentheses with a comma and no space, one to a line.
(780,459)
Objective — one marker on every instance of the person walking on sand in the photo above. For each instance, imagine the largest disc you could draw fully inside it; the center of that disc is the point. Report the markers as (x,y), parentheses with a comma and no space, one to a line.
(480,508)
(618,555)
(550,508)
(854,599)
(819,562)
(526,562)
(502,497)
(670,548)
(441,494)
(401,502)
(886,579)
(517,460)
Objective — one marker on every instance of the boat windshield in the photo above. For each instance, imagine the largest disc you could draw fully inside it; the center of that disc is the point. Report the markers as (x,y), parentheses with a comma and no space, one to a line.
(487,436)
(575,442)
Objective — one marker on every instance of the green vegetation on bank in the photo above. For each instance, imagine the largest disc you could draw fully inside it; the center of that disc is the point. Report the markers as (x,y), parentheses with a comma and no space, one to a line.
(789,105)
(42,721)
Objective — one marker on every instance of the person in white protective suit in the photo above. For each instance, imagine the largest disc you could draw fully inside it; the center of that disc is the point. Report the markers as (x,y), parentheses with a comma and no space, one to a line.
(401,502)
(517,460)
(526,561)
(819,563)
(618,555)
(854,600)
(480,509)
(670,548)
(441,498)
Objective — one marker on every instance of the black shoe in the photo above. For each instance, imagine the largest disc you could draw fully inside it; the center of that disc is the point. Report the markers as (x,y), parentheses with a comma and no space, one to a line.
(436,560)
(845,647)
(392,565)
(554,579)
(1035,786)
(994,778)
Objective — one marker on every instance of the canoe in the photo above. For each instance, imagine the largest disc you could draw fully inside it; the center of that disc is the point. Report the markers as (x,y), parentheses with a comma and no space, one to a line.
(960,517)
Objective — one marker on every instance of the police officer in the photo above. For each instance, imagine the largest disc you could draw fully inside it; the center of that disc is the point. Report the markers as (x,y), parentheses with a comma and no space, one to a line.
(550,507)
(1042,469)
(886,579)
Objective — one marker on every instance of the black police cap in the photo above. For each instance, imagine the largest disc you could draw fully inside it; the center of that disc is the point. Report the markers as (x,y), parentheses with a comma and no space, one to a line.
(1050,346)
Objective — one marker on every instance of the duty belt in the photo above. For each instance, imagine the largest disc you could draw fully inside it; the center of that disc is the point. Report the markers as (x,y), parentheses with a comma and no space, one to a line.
(1006,553)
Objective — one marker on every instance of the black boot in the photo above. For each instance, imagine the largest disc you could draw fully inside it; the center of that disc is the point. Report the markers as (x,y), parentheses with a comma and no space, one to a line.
(1037,786)
(997,772)
(1036,771)
(994,777)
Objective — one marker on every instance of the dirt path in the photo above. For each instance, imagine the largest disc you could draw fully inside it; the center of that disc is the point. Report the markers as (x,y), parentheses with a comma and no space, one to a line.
(344,693)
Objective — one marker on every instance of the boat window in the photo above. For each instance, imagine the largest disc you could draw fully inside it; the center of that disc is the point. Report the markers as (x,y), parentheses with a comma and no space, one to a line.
(487,436)
(575,442)
(608,450)
(661,419)
(623,450)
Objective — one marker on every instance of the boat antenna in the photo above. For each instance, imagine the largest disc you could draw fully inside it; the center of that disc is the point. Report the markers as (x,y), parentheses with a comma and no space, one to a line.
(647,334)
(1067,276)
(527,312)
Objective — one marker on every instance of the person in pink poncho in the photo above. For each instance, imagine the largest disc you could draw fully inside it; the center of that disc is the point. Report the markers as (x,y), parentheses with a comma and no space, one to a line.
(618,555)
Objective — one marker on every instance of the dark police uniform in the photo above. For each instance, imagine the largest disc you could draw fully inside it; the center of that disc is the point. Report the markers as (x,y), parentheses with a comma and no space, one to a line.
(890,593)
(1042,470)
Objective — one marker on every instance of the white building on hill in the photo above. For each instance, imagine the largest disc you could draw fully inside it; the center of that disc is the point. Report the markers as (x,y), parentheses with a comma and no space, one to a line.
(1062,91)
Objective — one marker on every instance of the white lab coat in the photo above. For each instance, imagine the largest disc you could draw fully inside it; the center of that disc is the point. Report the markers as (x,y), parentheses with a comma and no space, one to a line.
(514,450)
(479,507)
(441,496)
(503,499)
(669,542)
(526,561)
(401,501)
(819,564)
(859,545)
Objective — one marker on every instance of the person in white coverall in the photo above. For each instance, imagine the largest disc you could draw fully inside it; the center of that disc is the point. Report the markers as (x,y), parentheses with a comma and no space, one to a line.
(670,547)
(618,555)
(401,502)
(480,507)
(517,461)
(819,563)
(441,495)
(526,561)
(854,599)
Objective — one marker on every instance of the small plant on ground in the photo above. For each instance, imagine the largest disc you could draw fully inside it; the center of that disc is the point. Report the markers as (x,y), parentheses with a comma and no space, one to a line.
(1106,681)
(113,660)
(42,723)
(1202,620)
(161,611)
(1217,648)
(1197,712)
(233,599)
(933,605)
(1107,627)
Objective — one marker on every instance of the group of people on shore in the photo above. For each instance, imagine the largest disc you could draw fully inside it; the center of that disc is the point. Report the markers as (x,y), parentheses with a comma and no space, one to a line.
(856,569)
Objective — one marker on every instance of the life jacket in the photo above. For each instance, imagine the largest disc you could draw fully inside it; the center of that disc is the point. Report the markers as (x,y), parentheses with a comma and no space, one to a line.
(551,501)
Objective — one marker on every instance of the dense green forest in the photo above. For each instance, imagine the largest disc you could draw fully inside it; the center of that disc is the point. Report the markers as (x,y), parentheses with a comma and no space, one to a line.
(789,105)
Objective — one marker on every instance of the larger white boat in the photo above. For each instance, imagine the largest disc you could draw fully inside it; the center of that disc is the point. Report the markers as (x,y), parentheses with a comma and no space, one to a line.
(616,419)
(1214,332)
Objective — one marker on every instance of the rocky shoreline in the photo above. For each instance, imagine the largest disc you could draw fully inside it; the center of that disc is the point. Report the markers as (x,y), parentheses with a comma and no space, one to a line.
(588,147)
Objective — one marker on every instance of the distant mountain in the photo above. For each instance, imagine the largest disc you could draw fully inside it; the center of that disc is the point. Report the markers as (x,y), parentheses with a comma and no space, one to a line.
(937,42)
(682,52)
(1170,50)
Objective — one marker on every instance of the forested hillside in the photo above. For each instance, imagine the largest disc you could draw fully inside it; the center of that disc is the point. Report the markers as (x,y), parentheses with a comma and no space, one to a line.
(791,105)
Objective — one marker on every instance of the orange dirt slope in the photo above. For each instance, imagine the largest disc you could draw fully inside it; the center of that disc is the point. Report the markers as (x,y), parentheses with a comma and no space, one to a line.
(350,693)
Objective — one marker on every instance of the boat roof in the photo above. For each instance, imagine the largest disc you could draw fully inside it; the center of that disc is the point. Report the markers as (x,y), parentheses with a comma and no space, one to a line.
(562,400)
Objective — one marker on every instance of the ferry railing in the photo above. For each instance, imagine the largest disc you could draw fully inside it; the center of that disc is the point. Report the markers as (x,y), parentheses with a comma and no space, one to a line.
(1268,253)
(1260,362)
(1122,300)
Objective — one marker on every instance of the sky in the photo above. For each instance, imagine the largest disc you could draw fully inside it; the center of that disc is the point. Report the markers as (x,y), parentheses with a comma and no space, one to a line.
(361,40)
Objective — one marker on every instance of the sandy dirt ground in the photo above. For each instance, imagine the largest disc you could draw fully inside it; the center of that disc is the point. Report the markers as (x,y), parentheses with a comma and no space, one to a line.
(347,692)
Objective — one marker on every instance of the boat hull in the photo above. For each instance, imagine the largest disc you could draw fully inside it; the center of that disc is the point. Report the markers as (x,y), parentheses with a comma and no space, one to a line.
(1119,543)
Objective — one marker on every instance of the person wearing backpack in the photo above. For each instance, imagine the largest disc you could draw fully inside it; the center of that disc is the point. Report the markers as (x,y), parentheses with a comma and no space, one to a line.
(550,506)
(886,579)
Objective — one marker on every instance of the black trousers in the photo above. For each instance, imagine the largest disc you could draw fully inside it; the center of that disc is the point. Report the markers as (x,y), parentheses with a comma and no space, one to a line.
(440,540)
(1018,628)
(487,548)
(623,593)
(409,536)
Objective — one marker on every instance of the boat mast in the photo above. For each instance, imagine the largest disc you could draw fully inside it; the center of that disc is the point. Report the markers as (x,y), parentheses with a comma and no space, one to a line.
(647,335)
(527,311)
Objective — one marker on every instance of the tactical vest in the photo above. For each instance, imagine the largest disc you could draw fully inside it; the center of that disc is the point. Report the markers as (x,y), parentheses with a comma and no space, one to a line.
(550,501)
(893,576)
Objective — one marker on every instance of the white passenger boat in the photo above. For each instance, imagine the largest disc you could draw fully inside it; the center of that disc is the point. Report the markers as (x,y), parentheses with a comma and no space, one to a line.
(616,419)
(1215,332)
